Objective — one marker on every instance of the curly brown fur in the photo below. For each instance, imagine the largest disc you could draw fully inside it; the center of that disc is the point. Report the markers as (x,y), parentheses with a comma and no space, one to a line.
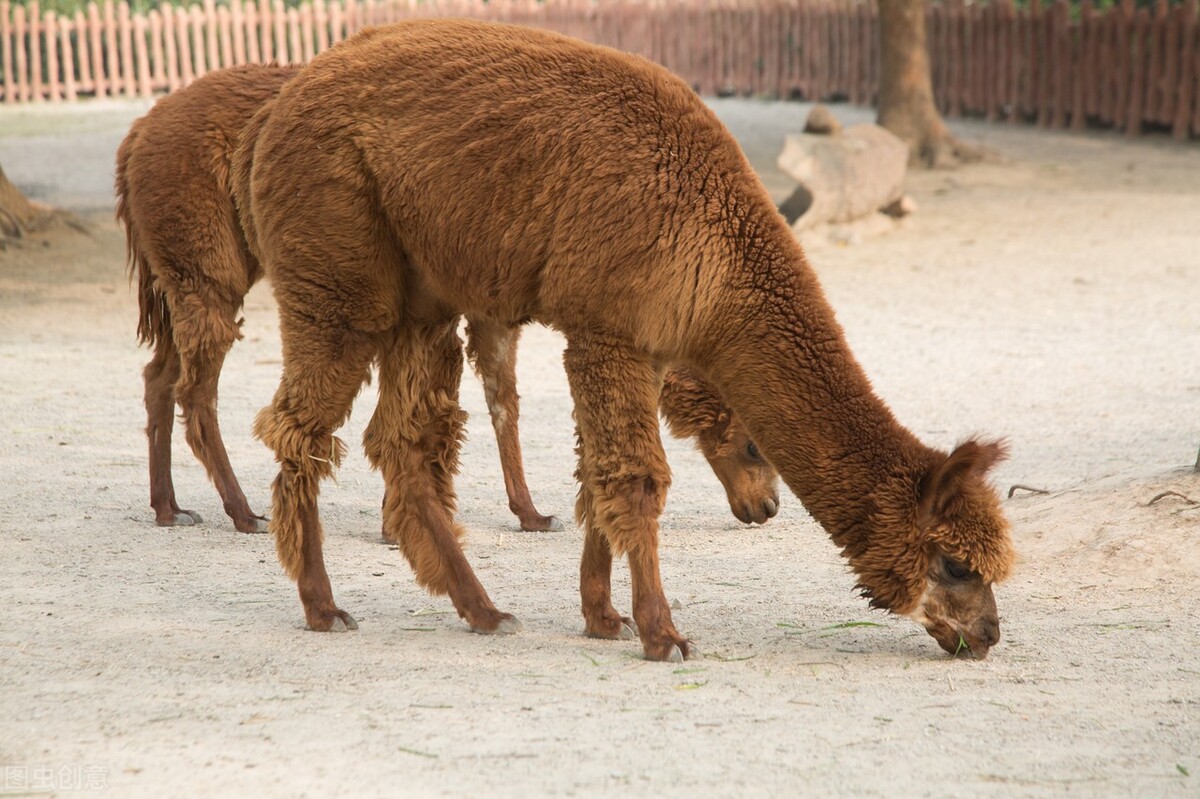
(187,251)
(594,192)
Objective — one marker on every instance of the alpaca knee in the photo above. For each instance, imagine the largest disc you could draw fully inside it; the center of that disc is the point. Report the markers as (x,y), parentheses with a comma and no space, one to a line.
(300,450)
(626,510)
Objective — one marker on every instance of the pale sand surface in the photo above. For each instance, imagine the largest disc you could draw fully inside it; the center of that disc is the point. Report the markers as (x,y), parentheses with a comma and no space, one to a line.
(1052,297)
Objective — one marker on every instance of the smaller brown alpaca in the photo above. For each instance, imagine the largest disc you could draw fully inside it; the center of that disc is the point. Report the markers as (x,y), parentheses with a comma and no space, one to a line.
(188,255)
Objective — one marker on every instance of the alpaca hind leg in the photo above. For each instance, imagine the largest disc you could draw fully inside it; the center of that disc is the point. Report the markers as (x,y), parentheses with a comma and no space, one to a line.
(414,439)
(324,367)
(205,332)
(160,376)
(626,478)
(601,619)
(492,349)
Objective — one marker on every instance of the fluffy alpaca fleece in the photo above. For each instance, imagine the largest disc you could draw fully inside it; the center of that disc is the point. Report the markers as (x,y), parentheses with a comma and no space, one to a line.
(188,256)
(432,169)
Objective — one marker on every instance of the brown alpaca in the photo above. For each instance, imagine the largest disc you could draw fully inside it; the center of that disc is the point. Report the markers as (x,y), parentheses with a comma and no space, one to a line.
(432,169)
(192,267)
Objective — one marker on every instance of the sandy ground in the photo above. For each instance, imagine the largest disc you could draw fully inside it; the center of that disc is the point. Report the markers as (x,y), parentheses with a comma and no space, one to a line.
(1050,297)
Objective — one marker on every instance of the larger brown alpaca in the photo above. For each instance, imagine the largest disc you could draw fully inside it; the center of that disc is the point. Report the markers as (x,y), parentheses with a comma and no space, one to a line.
(430,169)
(188,256)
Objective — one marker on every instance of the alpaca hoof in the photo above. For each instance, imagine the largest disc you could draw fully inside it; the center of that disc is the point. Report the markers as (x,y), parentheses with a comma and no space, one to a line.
(181,518)
(542,524)
(339,621)
(612,627)
(508,625)
(673,652)
(255,526)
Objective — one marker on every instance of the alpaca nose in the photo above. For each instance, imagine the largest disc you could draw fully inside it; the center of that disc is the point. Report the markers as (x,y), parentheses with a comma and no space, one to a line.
(990,632)
(770,506)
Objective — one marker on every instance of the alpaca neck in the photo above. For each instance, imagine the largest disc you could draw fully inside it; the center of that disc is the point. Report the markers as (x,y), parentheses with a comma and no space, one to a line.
(788,373)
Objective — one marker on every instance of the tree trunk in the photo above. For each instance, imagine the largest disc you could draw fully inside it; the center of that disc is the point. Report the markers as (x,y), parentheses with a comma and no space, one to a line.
(906,105)
(20,215)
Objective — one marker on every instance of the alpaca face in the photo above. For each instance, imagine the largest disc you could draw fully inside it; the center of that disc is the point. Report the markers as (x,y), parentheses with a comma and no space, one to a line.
(958,609)
(751,484)
(967,549)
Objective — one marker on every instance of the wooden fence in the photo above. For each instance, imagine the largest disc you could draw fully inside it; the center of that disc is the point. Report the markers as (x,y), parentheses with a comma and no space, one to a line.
(1124,67)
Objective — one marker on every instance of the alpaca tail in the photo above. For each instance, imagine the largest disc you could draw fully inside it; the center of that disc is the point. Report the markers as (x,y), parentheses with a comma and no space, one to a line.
(154,317)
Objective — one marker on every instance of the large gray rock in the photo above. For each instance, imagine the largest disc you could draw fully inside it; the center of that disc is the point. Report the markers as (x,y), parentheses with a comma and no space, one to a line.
(842,176)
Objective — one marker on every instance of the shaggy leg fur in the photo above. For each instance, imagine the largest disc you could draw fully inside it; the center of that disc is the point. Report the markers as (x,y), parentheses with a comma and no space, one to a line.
(414,439)
(324,369)
(160,376)
(205,332)
(624,477)
(492,349)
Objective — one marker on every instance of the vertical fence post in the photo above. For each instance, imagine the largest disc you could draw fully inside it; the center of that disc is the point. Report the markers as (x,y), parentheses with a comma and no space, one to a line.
(224,25)
(1188,64)
(21,59)
(35,52)
(170,53)
(126,33)
(1137,80)
(183,34)
(287,51)
(237,21)
(141,53)
(266,41)
(6,53)
(158,75)
(53,87)
(96,49)
(68,58)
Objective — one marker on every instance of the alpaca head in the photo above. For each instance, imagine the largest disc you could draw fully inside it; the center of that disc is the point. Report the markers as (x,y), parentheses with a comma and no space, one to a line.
(693,409)
(751,484)
(940,572)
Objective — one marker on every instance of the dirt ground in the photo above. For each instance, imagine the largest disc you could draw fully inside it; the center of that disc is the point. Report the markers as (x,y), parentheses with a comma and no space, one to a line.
(1050,296)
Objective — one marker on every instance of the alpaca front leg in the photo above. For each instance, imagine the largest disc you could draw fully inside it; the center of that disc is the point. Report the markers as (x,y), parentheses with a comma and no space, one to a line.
(323,370)
(601,619)
(414,439)
(624,479)
(492,348)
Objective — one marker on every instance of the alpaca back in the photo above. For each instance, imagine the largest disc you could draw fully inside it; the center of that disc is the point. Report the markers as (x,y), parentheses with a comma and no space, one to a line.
(523,174)
(173,186)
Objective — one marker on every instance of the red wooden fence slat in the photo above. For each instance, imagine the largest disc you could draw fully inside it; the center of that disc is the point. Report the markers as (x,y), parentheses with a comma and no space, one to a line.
(224,26)
(20,58)
(141,54)
(1141,33)
(6,53)
(171,64)
(125,29)
(35,52)
(53,86)
(158,76)
(1189,64)
(183,36)
(65,30)
(1170,74)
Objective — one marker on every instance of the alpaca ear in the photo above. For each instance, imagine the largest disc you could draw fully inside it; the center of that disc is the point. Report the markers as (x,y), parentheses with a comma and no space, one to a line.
(943,486)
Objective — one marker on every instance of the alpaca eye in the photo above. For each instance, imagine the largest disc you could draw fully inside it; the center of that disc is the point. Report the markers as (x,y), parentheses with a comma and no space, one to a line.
(956,570)
(752,451)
